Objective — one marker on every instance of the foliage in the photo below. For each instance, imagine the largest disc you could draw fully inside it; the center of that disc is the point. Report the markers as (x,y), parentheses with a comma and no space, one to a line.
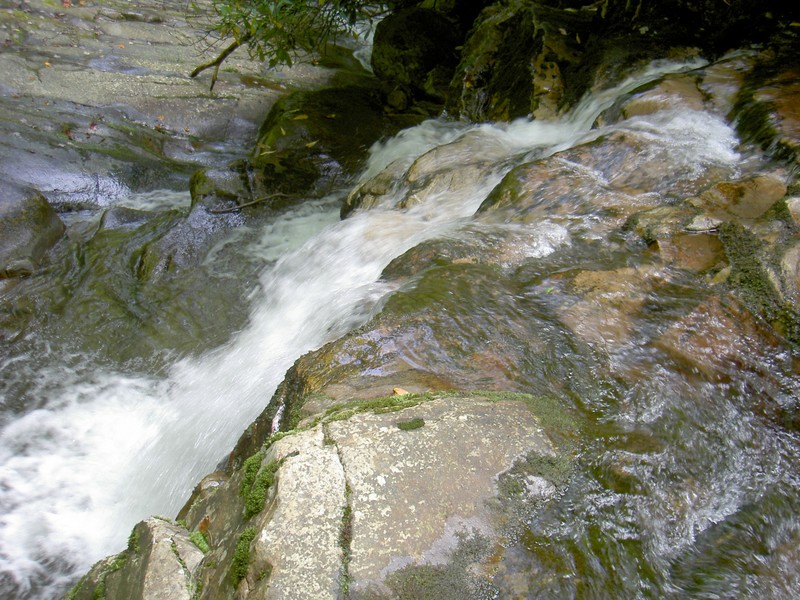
(278,31)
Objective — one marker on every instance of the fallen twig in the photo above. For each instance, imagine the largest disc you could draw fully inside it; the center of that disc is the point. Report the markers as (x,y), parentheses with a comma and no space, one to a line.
(238,207)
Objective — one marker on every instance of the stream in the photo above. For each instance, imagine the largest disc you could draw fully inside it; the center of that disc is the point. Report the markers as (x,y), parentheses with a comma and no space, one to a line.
(681,488)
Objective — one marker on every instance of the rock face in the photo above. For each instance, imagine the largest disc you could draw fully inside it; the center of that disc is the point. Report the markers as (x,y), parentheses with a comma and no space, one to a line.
(624,245)
(396,496)
(539,58)
(648,260)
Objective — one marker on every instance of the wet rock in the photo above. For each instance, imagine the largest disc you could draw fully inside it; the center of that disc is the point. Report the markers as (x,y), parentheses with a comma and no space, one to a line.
(28,228)
(160,562)
(358,503)
(449,169)
(221,188)
(661,222)
(722,80)
(414,52)
(136,275)
(747,198)
(767,110)
(312,141)
(692,252)
(508,43)
(756,279)
(605,314)
(719,338)
(671,91)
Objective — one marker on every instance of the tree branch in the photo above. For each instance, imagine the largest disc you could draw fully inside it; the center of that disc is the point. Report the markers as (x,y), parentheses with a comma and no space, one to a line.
(218,61)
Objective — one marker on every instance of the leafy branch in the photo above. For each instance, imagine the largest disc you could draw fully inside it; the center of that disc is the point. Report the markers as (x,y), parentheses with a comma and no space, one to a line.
(278,31)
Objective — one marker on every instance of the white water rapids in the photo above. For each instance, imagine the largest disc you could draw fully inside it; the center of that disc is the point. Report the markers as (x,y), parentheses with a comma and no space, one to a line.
(106,449)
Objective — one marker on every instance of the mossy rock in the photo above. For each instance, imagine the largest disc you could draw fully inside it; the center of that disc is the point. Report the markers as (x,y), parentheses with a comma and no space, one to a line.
(313,141)
(754,279)
(415,50)
(28,228)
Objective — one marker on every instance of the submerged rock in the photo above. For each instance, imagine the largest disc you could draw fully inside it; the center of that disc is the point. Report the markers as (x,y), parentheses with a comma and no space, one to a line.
(28,228)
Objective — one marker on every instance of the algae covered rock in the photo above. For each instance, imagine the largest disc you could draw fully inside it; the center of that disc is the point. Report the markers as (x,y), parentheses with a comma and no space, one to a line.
(514,61)
(312,141)
(28,228)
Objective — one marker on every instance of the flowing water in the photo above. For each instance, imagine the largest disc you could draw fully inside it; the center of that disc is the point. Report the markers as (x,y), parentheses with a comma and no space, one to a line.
(680,488)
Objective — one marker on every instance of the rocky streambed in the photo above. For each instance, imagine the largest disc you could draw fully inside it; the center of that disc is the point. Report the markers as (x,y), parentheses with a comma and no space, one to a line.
(552,357)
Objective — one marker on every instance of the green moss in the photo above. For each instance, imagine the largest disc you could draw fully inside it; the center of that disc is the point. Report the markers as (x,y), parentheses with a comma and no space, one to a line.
(100,590)
(345,543)
(386,404)
(452,580)
(256,495)
(241,556)
(411,424)
(199,540)
(750,278)
(73,592)
(133,541)
(250,470)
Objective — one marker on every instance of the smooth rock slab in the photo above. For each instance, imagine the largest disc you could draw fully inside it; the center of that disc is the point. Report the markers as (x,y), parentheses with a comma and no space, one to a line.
(375,494)
(414,490)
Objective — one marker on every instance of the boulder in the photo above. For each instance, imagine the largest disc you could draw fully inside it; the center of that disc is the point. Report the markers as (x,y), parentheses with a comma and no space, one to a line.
(408,495)
(161,561)
(313,141)
(461,165)
(515,59)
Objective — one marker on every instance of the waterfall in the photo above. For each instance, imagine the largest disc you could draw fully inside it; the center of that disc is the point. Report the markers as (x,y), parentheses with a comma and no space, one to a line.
(105,449)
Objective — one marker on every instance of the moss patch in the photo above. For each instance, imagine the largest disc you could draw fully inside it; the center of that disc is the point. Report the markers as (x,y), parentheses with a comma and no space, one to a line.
(250,471)
(345,543)
(199,540)
(751,281)
(452,580)
(411,424)
(241,556)
(256,495)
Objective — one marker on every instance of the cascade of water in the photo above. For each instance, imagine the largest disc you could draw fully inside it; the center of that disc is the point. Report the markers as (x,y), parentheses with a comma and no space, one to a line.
(107,449)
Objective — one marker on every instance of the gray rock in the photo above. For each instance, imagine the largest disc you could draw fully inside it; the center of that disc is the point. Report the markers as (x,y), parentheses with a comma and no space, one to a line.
(160,563)
(360,500)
